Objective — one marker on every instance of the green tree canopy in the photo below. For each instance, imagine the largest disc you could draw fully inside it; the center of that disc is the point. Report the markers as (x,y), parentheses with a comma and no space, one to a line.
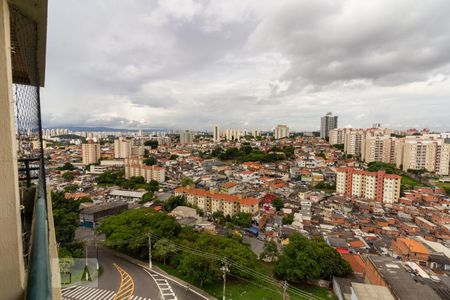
(173,202)
(278,204)
(68,176)
(128,231)
(304,259)
(270,251)
(150,161)
(187,181)
(152,143)
(242,219)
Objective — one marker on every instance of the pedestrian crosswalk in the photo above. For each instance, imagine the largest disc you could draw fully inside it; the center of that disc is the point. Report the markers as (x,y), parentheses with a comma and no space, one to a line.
(164,287)
(90,293)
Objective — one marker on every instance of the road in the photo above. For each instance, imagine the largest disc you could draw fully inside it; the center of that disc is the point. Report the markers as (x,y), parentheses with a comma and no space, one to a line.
(124,280)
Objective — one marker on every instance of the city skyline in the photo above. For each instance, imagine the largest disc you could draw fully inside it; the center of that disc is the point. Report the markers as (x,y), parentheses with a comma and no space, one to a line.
(246,65)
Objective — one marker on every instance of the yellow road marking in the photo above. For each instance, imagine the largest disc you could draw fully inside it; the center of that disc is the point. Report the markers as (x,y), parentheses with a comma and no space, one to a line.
(126,288)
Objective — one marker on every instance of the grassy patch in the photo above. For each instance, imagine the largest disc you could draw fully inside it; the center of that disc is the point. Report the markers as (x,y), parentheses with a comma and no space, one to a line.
(409,181)
(445,186)
(247,289)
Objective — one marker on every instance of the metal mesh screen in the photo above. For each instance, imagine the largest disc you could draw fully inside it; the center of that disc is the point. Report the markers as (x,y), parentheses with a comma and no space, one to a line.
(26,95)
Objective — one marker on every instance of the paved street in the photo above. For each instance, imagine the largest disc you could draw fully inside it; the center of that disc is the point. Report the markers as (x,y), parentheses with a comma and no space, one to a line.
(124,280)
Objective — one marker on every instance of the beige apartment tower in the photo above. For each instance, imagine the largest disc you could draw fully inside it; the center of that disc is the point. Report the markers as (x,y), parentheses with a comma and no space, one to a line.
(90,153)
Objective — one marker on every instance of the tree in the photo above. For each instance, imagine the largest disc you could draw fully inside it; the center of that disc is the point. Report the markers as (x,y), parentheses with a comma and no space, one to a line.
(67,166)
(187,181)
(108,177)
(68,176)
(66,217)
(288,219)
(128,231)
(242,219)
(304,259)
(152,144)
(150,161)
(173,157)
(147,197)
(278,204)
(200,269)
(152,186)
(173,202)
(71,188)
(270,251)
(164,249)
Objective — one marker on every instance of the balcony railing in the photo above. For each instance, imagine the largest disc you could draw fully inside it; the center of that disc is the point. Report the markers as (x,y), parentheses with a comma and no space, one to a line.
(39,273)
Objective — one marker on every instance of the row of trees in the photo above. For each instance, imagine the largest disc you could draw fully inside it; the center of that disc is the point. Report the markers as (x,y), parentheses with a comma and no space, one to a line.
(127,232)
(198,255)
(66,217)
(247,153)
(138,182)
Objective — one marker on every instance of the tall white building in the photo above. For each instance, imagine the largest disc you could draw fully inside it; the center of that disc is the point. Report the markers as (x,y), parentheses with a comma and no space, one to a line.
(216,133)
(186,137)
(281,131)
(256,133)
(121,148)
(232,134)
(327,122)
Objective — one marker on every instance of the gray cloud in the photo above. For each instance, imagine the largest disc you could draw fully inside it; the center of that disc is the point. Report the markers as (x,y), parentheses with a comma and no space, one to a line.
(190,64)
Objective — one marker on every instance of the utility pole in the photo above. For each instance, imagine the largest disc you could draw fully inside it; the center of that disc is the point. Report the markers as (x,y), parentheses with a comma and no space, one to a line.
(150,250)
(285,286)
(224,269)
(96,251)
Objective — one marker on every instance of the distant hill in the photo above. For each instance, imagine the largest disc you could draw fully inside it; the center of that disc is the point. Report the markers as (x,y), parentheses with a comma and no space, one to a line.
(80,128)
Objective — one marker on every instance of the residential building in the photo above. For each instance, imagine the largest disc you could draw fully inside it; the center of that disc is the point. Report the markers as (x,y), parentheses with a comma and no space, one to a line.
(134,166)
(232,134)
(327,122)
(211,201)
(382,148)
(411,250)
(281,131)
(427,152)
(122,148)
(256,133)
(90,153)
(186,137)
(216,133)
(377,186)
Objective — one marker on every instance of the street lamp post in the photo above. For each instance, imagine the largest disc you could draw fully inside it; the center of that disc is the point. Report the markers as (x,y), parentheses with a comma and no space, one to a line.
(150,250)
(225,270)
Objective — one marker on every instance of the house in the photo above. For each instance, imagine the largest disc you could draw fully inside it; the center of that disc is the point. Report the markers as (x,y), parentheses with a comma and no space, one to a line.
(409,249)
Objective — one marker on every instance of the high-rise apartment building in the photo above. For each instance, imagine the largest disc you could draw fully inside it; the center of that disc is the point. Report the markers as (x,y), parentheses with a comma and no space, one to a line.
(186,137)
(429,152)
(232,134)
(281,131)
(134,166)
(382,148)
(377,186)
(90,153)
(122,148)
(327,123)
(256,133)
(216,133)
(353,138)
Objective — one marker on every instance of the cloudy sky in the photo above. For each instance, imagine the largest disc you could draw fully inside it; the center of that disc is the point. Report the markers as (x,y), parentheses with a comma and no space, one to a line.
(186,64)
